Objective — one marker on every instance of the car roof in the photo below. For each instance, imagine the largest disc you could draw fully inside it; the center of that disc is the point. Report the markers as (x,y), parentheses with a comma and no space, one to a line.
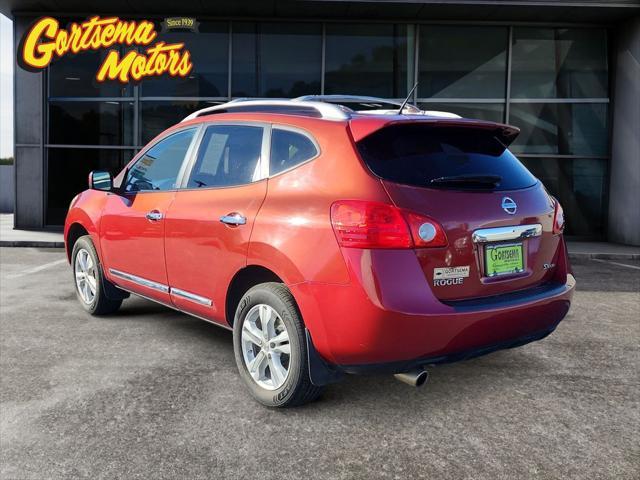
(323,108)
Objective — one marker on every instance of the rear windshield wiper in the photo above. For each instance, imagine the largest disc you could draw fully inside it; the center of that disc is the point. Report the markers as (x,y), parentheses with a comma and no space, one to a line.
(482,181)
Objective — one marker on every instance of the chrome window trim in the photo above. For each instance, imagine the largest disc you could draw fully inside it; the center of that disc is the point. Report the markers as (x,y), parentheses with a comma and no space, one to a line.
(191,152)
(139,280)
(192,297)
(499,234)
(301,131)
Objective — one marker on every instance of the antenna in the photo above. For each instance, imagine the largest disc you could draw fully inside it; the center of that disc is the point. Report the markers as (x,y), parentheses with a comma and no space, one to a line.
(406,100)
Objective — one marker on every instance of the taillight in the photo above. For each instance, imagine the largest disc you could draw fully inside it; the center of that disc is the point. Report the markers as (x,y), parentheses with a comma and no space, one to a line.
(425,231)
(558,219)
(363,224)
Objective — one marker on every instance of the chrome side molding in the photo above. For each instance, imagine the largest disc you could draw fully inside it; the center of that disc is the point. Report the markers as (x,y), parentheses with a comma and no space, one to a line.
(161,287)
(139,280)
(191,296)
(500,234)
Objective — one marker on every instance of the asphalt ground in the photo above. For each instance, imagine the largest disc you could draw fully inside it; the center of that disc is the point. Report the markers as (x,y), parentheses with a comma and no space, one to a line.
(150,393)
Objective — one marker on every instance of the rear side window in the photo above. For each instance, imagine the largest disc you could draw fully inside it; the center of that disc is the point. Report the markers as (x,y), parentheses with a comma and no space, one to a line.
(443,157)
(289,149)
(228,155)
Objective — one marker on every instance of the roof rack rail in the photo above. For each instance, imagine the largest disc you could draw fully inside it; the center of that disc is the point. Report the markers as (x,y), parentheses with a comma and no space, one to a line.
(345,100)
(330,107)
(307,108)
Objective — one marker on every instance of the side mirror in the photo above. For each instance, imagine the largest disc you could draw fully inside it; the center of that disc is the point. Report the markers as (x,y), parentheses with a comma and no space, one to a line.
(100,180)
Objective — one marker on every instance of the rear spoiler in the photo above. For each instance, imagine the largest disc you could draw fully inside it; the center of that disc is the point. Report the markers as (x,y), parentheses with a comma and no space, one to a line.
(362,127)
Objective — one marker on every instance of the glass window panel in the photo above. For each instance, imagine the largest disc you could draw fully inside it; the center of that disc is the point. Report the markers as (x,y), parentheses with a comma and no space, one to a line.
(158,167)
(228,155)
(266,65)
(75,76)
(157,116)
(91,123)
(209,50)
(560,128)
(67,173)
(580,185)
(494,112)
(559,63)
(289,149)
(462,61)
(368,59)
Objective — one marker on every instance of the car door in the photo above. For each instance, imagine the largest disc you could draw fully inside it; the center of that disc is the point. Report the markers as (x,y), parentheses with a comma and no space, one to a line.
(132,224)
(209,223)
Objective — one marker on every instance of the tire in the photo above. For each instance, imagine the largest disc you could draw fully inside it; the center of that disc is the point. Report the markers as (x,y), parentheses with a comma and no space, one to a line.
(96,301)
(274,302)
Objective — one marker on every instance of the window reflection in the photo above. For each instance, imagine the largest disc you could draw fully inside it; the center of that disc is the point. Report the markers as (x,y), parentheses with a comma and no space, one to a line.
(209,50)
(157,116)
(561,63)
(462,62)
(67,173)
(368,59)
(485,111)
(91,123)
(74,76)
(276,59)
(560,128)
(580,185)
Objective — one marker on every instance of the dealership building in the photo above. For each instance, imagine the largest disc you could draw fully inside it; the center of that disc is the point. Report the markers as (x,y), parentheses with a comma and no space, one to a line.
(567,73)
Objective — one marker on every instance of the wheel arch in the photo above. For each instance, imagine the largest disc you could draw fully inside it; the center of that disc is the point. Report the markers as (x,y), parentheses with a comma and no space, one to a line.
(244,279)
(75,231)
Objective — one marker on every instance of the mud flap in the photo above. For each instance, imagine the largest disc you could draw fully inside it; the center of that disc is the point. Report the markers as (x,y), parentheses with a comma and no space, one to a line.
(320,372)
(110,290)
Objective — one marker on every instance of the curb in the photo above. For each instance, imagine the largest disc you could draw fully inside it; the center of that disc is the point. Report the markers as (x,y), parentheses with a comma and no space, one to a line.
(31,243)
(603,256)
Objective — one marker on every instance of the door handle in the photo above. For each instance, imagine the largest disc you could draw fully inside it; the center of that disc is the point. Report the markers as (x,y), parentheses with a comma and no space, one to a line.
(233,218)
(154,216)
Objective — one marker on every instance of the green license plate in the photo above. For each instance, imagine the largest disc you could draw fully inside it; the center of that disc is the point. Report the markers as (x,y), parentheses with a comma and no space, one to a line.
(501,259)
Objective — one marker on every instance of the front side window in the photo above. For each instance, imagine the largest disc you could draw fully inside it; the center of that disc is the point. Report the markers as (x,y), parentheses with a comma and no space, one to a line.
(158,168)
(289,149)
(228,155)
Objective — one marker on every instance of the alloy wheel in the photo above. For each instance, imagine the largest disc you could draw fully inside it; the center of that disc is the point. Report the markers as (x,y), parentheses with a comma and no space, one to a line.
(85,273)
(265,347)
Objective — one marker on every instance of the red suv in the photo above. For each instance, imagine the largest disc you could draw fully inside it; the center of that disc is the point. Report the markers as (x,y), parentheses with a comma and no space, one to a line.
(332,235)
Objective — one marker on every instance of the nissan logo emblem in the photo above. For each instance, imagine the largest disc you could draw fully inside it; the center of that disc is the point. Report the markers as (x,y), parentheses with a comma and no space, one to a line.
(509,206)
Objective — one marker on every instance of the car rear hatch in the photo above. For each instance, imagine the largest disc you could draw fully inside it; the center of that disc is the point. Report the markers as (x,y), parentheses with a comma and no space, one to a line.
(497,216)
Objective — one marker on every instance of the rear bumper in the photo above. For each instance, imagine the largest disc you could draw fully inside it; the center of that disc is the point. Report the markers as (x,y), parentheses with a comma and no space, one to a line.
(392,322)
(406,365)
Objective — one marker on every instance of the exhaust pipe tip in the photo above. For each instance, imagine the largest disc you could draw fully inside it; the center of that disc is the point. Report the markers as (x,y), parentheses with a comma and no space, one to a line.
(415,378)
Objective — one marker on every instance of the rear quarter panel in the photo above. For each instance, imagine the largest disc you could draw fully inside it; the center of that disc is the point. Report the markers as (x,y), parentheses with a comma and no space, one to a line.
(292,234)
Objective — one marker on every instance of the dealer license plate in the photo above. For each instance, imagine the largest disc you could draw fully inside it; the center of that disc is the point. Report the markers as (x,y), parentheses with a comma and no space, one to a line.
(501,259)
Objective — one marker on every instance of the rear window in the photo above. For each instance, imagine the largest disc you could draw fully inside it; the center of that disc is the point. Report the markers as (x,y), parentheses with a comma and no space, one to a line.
(443,157)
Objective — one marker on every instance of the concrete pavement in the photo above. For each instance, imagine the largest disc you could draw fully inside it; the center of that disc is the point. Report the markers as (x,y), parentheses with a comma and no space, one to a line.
(151,393)
(9,237)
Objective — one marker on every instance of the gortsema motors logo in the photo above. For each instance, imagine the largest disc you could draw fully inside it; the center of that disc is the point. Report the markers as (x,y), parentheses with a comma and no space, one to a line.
(46,40)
